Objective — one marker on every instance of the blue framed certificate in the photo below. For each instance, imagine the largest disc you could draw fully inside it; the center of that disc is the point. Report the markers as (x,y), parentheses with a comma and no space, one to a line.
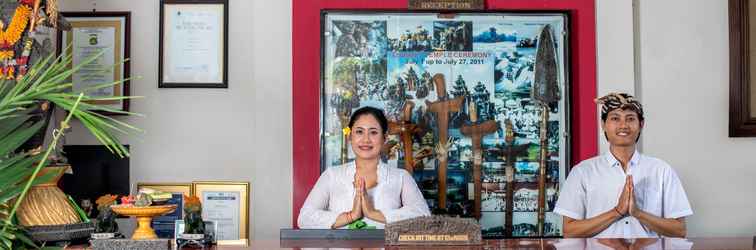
(164,226)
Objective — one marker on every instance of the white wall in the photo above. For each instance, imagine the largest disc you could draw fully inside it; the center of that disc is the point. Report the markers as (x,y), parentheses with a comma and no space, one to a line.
(681,55)
(242,133)
(684,45)
(614,47)
(676,63)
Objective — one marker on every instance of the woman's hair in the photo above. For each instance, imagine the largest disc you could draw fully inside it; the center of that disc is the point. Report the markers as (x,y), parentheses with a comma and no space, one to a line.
(367,110)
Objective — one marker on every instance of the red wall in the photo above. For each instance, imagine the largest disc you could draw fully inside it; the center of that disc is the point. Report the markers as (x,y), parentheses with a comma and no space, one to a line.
(306,77)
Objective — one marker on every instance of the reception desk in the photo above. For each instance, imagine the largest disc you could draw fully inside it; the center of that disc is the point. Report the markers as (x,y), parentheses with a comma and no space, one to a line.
(691,243)
(349,239)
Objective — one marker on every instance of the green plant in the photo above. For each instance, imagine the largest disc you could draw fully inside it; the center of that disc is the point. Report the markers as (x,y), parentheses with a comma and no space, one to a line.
(48,80)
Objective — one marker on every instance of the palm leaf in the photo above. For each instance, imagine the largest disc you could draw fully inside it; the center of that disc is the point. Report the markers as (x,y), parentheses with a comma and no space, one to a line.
(18,137)
(15,190)
(21,236)
(14,173)
(7,243)
(12,123)
(9,161)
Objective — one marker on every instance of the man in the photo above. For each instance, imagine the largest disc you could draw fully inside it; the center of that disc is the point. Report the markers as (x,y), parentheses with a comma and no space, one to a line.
(622,193)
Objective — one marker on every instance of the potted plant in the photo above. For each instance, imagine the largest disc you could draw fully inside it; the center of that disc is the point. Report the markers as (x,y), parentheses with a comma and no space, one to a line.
(22,94)
(18,170)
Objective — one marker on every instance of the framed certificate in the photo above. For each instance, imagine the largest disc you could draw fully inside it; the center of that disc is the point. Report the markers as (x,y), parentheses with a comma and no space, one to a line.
(227,204)
(92,33)
(193,44)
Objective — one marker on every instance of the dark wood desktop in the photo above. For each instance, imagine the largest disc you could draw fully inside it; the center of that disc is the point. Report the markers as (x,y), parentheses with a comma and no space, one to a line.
(692,243)
(373,239)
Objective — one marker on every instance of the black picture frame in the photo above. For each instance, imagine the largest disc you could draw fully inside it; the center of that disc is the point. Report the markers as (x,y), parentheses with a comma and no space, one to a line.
(164,83)
(125,88)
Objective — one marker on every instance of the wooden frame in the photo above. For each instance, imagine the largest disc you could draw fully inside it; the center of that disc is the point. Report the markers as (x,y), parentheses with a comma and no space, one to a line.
(121,23)
(171,75)
(742,87)
(199,188)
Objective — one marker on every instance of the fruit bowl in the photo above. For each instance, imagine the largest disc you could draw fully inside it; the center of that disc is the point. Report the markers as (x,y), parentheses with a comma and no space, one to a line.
(144,217)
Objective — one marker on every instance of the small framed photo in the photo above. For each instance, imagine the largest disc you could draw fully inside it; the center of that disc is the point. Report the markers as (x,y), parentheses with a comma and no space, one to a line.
(210,228)
(92,33)
(193,44)
(227,204)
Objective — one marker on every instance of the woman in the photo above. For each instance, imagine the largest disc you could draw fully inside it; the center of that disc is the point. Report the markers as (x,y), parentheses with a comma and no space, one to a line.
(366,188)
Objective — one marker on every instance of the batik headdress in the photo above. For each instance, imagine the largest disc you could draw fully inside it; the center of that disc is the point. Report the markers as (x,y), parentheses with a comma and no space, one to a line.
(622,101)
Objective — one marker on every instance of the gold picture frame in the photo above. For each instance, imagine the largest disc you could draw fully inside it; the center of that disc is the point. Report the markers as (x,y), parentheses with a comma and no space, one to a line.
(170,187)
(225,201)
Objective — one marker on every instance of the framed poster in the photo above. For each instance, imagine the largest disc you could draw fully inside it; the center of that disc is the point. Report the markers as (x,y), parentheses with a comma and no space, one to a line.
(227,204)
(415,66)
(164,225)
(96,32)
(742,77)
(193,44)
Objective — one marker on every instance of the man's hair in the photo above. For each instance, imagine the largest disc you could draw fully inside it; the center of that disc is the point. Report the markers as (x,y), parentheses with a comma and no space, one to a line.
(376,113)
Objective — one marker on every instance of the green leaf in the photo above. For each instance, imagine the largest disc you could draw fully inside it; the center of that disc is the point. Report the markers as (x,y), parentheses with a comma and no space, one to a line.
(11,191)
(18,137)
(13,178)
(10,124)
(8,235)
(21,235)
(8,194)
(47,177)
(16,172)
(6,242)
(10,112)
(7,162)
(35,69)
(4,87)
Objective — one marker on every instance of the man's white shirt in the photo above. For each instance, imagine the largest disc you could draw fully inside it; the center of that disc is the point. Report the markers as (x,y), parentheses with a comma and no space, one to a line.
(594,186)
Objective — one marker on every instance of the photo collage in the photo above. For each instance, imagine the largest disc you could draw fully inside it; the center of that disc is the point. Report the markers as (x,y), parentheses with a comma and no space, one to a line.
(480,69)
